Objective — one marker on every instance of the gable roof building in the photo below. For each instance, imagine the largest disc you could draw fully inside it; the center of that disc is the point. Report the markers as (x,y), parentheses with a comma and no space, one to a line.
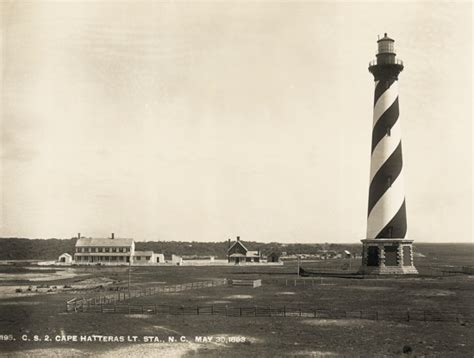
(237,253)
(112,251)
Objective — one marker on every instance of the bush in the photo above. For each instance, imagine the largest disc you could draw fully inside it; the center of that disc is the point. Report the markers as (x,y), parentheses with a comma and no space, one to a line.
(407,349)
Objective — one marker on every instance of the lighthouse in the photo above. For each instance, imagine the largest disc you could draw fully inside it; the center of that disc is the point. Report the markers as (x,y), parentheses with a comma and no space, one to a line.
(386,249)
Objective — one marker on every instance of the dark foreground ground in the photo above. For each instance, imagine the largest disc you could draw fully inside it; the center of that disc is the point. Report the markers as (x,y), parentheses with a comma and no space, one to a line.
(27,315)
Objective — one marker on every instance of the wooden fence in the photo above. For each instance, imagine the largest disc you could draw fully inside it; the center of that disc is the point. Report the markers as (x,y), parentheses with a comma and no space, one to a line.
(245,283)
(282,311)
(85,304)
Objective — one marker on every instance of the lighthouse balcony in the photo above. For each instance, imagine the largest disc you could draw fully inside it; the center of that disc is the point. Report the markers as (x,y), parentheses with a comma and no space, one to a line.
(386,61)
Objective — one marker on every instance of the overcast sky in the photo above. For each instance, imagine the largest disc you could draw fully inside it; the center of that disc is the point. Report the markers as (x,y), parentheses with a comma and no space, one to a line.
(203,121)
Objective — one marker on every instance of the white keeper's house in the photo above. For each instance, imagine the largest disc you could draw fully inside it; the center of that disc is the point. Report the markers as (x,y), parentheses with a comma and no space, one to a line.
(110,251)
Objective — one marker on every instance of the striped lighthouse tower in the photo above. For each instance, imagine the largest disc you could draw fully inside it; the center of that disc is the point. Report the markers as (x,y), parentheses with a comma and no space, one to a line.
(386,250)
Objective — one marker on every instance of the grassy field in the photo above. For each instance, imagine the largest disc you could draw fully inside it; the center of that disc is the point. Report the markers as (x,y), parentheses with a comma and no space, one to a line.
(43,313)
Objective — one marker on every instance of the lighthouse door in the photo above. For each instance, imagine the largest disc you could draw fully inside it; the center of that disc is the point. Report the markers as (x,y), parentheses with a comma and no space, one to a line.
(373,256)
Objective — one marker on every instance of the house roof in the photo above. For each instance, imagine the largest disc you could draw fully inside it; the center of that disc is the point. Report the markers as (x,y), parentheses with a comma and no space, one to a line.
(235,243)
(92,242)
(143,253)
(237,255)
(252,254)
(65,254)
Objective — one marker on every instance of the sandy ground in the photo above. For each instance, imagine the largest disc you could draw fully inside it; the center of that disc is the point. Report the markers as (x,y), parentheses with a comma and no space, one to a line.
(38,276)
(165,350)
(314,354)
(239,297)
(352,323)
(9,291)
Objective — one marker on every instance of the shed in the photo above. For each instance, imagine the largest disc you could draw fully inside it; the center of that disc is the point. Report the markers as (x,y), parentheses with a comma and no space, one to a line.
(273,257)
(65,258)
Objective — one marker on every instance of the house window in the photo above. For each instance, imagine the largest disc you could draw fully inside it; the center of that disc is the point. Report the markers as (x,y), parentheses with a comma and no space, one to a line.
(139,258)
(114,249)
(147,257)
(89,249)
(100,249)
(106,249)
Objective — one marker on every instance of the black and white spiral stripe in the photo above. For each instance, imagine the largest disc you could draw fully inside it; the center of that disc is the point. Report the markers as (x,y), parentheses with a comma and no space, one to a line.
(387,213)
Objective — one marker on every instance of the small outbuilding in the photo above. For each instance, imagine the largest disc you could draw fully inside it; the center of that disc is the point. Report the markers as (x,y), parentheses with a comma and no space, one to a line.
(273,257)
(176,260)
(65,259)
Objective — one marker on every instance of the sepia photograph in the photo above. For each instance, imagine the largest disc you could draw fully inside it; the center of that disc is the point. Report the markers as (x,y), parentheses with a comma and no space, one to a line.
(231,178)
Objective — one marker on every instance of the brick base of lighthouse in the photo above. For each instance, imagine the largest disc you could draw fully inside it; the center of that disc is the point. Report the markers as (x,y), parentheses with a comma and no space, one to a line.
(387,257)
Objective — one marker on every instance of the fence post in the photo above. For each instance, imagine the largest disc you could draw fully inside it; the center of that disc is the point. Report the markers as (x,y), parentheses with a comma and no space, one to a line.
(284,311)
(197,310)
(408,315)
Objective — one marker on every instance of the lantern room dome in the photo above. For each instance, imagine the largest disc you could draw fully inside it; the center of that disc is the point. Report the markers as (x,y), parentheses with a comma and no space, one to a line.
(385,38)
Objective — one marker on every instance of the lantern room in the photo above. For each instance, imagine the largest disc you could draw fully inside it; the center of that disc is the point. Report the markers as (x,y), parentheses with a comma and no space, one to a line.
(386,45)
(386,55)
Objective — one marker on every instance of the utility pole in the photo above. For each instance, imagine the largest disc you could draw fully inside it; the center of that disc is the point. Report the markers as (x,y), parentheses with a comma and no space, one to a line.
(129,274)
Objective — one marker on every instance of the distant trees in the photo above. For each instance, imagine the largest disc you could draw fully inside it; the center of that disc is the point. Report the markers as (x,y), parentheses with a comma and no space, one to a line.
(36,249)
(50,249)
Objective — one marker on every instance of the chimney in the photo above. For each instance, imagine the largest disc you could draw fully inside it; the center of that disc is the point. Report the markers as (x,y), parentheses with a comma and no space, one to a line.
(228,244)
(238,238)
(113,236)
(78,235)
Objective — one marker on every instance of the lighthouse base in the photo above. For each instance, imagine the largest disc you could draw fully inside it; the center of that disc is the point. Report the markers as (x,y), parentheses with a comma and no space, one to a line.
(387,257)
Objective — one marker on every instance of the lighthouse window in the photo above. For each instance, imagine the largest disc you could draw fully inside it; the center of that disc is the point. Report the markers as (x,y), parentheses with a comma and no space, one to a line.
(389,131)
(389,181)
(386,46)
